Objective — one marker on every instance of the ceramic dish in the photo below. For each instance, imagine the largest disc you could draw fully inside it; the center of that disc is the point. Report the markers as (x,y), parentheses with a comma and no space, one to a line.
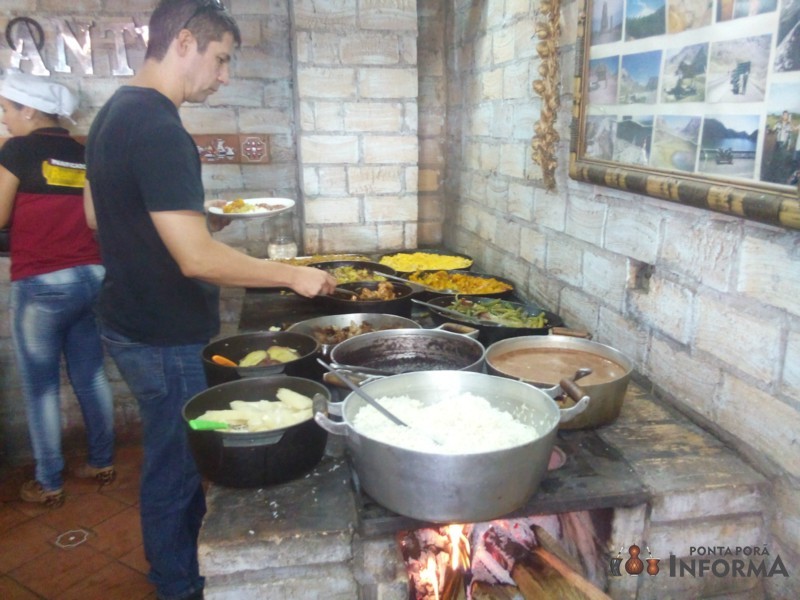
(270,208)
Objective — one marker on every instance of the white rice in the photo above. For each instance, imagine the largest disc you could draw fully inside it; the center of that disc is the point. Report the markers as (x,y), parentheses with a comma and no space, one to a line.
(463,422)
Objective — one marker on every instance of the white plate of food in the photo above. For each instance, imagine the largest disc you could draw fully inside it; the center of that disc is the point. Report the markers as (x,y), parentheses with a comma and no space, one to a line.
(250,208)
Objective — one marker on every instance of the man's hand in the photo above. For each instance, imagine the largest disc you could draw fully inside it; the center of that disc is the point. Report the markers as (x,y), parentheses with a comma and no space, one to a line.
(310,282)
(216,222)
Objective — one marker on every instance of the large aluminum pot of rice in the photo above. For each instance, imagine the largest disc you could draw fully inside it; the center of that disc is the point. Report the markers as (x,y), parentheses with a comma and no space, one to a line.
(476,448)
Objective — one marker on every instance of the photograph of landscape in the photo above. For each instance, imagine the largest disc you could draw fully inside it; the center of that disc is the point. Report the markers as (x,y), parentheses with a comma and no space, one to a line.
(707,87)
(675,142)
(606,21)
(728,145)
(645,18)
(638,78)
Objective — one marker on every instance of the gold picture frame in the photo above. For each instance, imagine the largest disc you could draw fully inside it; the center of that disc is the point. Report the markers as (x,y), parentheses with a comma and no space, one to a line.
(691,113)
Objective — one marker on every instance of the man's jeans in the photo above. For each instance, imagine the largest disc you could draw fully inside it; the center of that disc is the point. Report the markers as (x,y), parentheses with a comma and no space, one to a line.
(163,379)
(52,314)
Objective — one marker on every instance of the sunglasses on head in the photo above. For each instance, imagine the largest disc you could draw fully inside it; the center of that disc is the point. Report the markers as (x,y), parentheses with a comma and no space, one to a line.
(203,5)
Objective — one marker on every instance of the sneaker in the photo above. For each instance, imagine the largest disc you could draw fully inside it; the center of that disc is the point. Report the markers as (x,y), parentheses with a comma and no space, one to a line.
(103,475)
(32,491)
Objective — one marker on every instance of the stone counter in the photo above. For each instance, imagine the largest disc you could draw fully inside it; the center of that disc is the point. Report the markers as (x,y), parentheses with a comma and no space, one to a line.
(668,484)
(671,485)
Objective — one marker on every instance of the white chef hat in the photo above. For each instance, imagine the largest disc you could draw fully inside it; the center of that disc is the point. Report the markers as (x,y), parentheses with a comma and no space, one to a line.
(38,92)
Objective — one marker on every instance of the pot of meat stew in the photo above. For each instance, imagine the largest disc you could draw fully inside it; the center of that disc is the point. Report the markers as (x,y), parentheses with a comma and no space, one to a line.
(544,360)
(483,465)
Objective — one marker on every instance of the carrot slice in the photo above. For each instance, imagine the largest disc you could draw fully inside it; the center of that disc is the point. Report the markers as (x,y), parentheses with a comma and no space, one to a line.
(221,360)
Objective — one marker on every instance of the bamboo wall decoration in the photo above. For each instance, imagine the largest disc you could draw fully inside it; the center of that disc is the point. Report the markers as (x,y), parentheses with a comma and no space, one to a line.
(546,137)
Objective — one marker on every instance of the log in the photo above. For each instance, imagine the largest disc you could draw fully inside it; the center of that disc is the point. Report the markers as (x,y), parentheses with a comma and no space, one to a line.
(485,591)
(586,587)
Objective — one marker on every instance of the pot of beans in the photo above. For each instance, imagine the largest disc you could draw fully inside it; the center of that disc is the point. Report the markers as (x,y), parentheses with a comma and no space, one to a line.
(543,360)
(472,446)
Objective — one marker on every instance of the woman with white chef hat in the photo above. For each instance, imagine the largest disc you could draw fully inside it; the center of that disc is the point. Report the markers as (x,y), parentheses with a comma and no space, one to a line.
(56,274)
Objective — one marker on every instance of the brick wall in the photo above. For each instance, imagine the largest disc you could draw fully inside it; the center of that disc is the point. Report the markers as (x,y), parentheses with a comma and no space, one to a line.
(706,305)
(357,87)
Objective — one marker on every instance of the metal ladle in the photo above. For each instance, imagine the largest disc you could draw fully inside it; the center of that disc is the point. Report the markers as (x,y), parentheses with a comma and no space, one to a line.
(370,400)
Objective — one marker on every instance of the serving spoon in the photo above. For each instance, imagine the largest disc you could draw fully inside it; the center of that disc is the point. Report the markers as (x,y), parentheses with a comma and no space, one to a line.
(372,401)
(425,287)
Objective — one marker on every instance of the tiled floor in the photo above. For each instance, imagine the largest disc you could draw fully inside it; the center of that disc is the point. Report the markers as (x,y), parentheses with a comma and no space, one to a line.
(90,548)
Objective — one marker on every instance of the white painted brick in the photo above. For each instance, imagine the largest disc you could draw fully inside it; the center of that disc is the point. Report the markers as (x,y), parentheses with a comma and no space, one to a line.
(523,120)
(302,41)
(480,120)
(770,272)
(512,160)
(502,45)
(320,149)
(332,14)
(333,181)
(390,208)
(664,538)
(503,122)
(326,83)
(390,149)
(488,156)
(374,180)
(263,120)
(310,181)
(199,121)
(369,49)
(218,178)
(549,210)
(278,178)
(692,382)
(328,116)
(373,116)
(388,14)
(241,92)
(774,432)
(703,250)
(491,83)
(332,210)
(745,341)
(520,201)
(525,43)
(517,82)
(586,219)
(408,49)
(700,503)
(388,83)
(411,118)
(633,233)
(518,8)
(411,179)
(353,238)
(325,49)
(791,365)
(261,63)
(622,333)
(666,306)
(506,234)
(579,310)
(565,261)
(604,276)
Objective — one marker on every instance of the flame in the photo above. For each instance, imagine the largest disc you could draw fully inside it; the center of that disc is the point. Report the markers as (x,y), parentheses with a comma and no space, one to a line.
(429,575)
(460,553)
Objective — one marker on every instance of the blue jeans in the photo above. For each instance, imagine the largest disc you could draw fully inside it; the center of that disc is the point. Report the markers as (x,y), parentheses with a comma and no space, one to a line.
(163,379)
(52,314)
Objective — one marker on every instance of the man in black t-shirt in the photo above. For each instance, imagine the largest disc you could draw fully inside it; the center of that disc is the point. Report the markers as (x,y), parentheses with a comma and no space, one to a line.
(159,303)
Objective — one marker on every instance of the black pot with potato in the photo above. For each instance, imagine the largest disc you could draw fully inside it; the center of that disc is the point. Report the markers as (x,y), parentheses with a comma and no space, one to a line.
(264,353)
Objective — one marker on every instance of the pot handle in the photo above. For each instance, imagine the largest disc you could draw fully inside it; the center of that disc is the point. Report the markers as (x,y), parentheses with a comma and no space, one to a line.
(470,332)
(355,377)
(580,333)
(576,393)
(336,428)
